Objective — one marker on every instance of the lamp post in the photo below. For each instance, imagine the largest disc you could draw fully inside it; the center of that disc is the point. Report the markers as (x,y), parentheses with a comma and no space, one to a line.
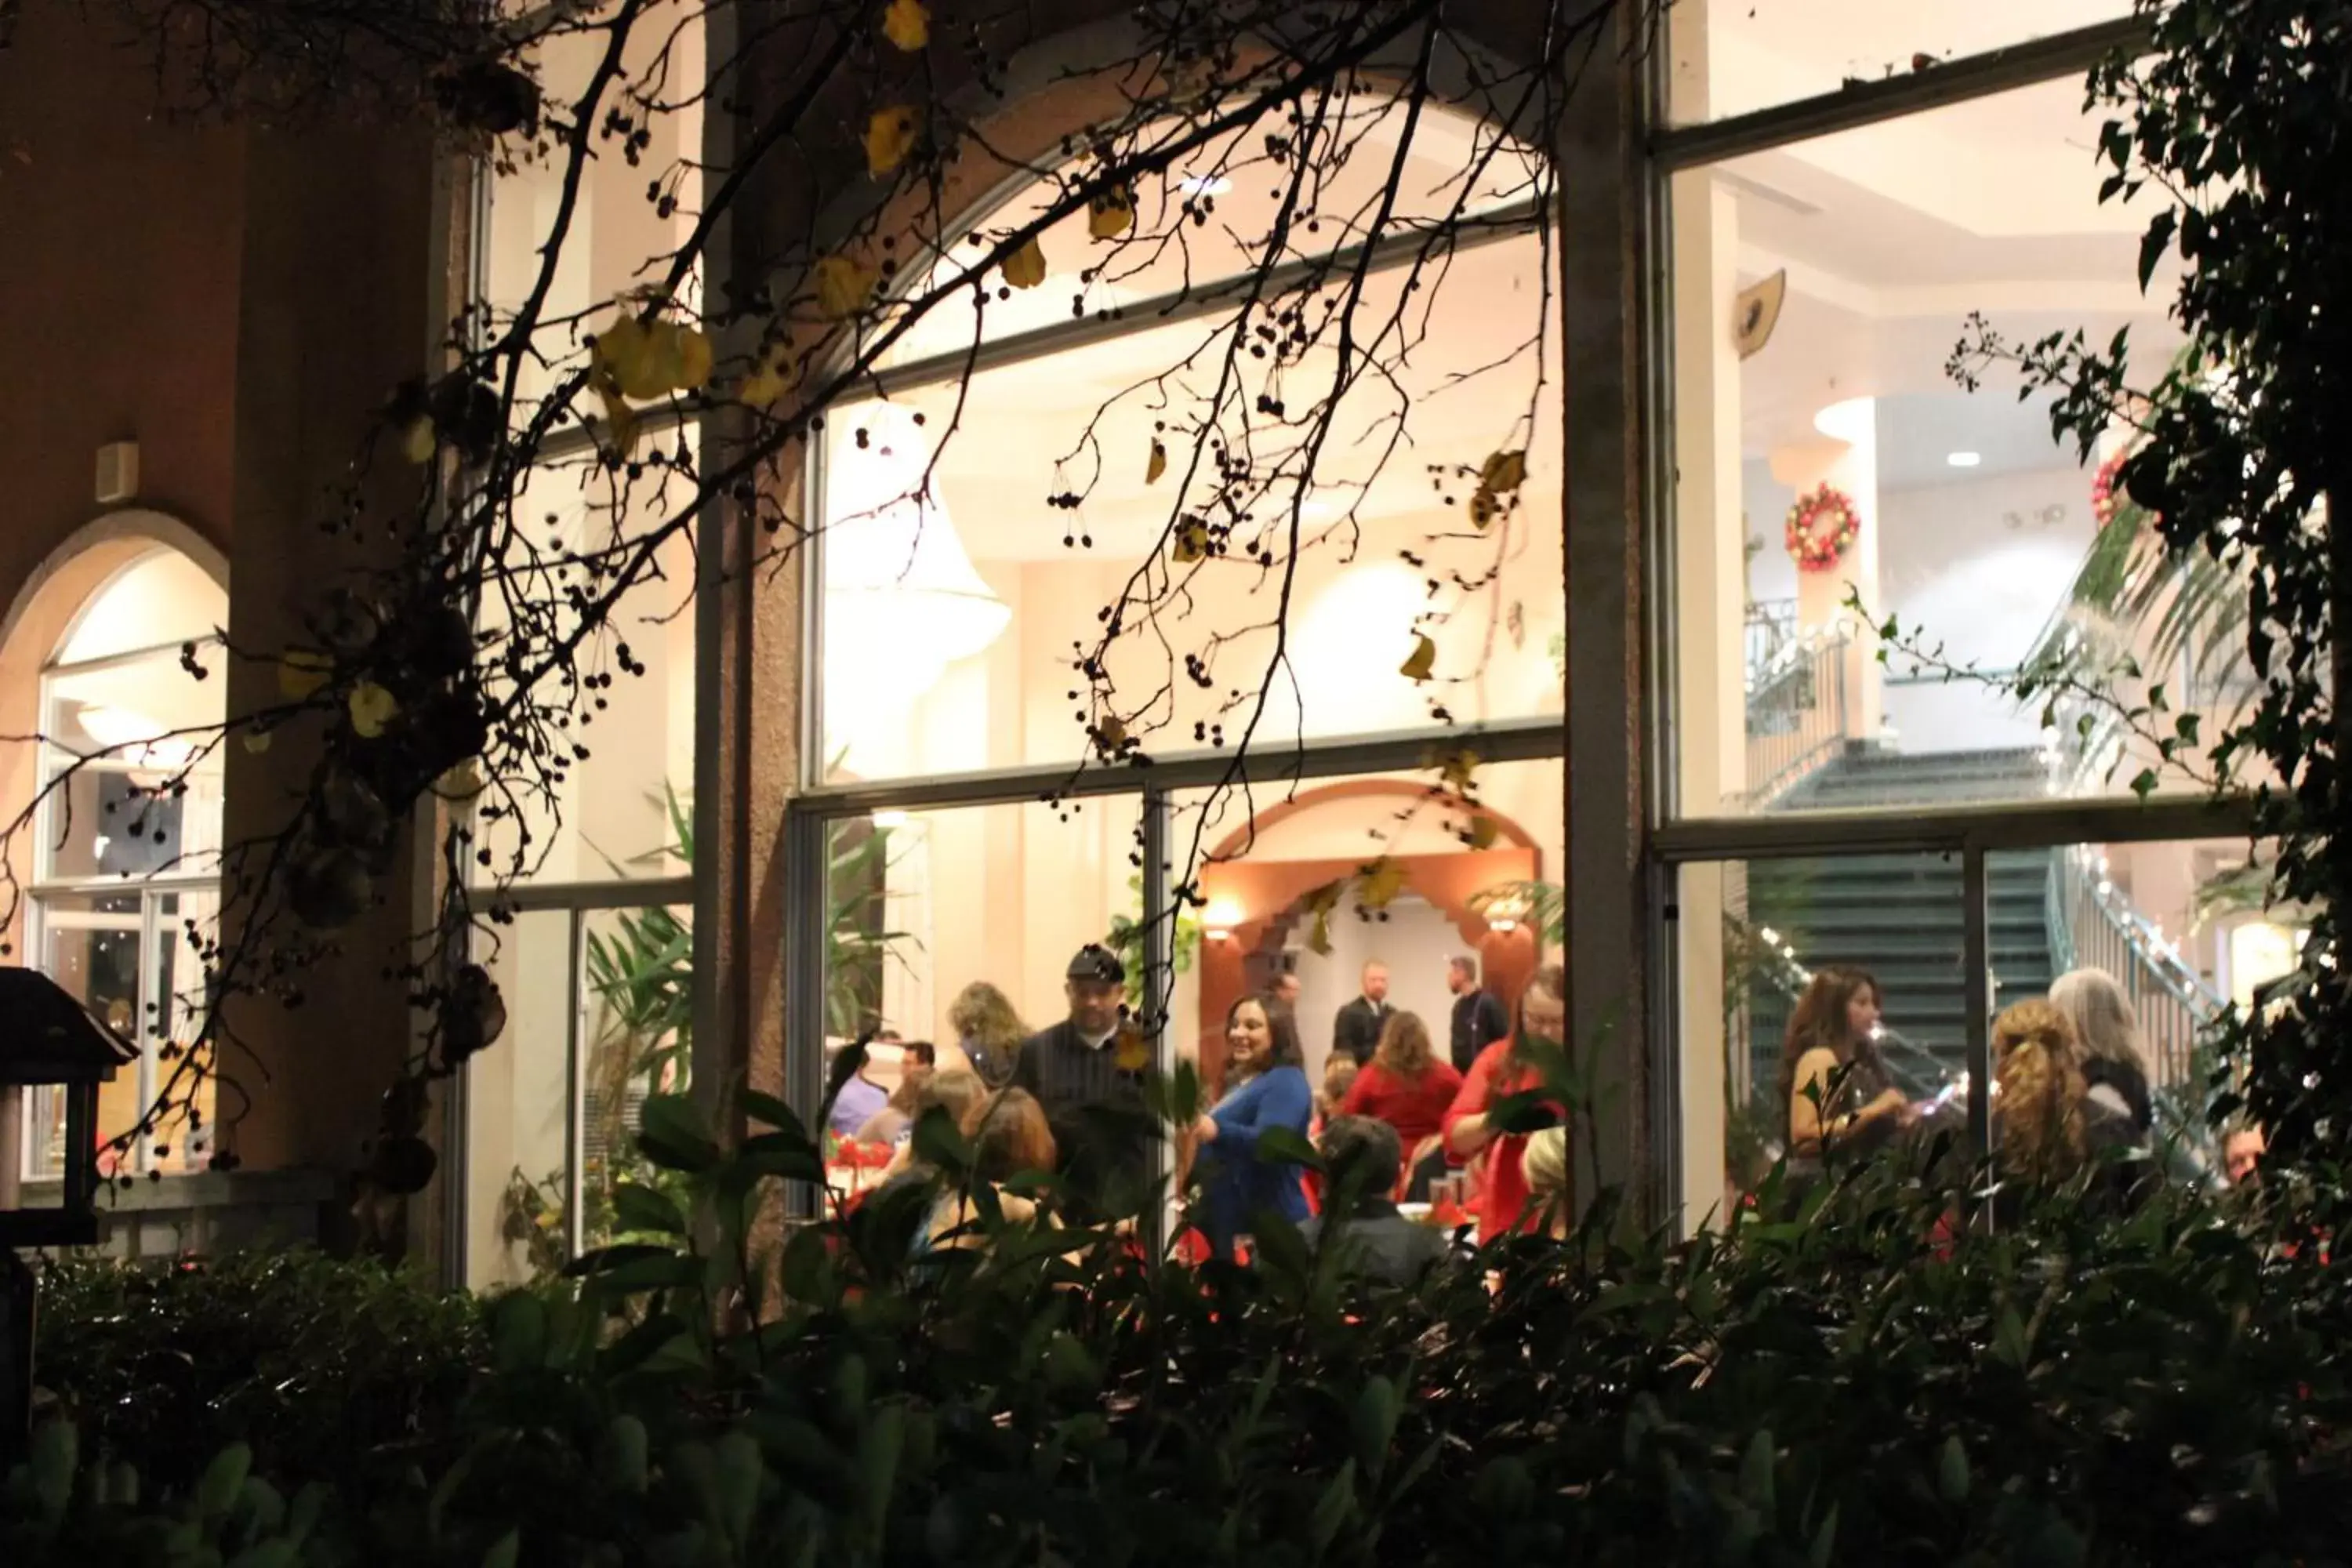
(46,1038)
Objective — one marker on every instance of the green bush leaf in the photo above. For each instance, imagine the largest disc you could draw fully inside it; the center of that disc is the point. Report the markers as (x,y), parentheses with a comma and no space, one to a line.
(224,1479)
(671,1133)
(641,1209)
(1952,1471)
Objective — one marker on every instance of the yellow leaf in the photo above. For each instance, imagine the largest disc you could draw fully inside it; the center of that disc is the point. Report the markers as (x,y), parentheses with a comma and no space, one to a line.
(694,359)
(1114,732)
(1191,541)
(1503,472)
(1156,465)
(1484,507)
(1457,769)
(1325,899)
(1383,880)
(1421,661)
(842,287)
(372,708)
(767,381)
(890,137)
(1111,212)
(257,741)
(301,672)
(630,353)
(618,414)
(907,25)
(417,441)
(1025,267)
(463,781)
(1319,935)
(1482,832)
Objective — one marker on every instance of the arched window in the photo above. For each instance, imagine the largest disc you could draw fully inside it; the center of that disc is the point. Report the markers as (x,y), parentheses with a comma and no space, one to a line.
(125,866)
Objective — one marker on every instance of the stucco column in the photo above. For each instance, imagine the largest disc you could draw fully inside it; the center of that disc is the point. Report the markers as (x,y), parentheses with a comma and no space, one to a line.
(1598,144)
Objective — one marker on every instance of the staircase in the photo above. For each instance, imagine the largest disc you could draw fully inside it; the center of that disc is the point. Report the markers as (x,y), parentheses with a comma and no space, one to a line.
(1901,917)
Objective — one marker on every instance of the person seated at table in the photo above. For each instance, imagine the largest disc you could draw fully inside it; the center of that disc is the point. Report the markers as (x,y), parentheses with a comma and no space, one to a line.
(1269,1090)
(918,1065)
(955,1094)
(1375,1240)
(1546,1170)
(1010,1136)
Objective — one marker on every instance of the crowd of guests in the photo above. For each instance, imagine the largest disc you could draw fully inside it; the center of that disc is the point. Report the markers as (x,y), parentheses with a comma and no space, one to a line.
(2070,1093)
(1069,1099)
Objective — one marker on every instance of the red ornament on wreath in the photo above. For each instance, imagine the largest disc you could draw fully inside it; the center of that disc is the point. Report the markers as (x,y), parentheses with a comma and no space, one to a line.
(1822,526)
(2102,487)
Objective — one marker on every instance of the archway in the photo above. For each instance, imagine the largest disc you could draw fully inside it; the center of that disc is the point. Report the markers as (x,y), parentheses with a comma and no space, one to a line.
(1255,902)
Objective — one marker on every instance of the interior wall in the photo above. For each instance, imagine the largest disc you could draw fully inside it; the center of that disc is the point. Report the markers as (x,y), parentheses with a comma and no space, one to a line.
(1414,942)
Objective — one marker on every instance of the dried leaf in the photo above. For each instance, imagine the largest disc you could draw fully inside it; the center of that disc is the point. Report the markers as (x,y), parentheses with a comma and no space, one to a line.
(1422,661)
(1111,212)
(301,672)
(1113,732)
(1503,473)
(1191,541)
(1383,880)
(907,25)
(257,741)
(890,137)
(461,782)
(1157,464)
(1483,832)
(842,287)
(416,442)
(618,414)
(1025,267)
(767,382)
(1319,935)
(694,359)
(1457,770)
(372,708)
(629,353)
(1484,507)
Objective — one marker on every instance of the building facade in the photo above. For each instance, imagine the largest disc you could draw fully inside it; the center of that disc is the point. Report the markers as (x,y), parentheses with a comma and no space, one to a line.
(850,782)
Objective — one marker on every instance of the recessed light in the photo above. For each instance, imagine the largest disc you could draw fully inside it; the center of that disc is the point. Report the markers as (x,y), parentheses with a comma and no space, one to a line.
(1205,184)
(1964,460)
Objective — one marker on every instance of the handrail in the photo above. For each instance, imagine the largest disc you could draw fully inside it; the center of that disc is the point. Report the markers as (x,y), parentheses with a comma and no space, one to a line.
(1797,714)
(2096,927)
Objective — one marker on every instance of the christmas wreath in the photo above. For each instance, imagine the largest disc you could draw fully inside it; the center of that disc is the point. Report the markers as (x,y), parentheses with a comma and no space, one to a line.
(1822,526)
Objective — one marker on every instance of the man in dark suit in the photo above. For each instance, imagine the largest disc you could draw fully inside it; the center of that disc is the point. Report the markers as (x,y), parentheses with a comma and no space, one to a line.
(1087,1072)
(1373,1238)
(1479,1018)
(1357,1029)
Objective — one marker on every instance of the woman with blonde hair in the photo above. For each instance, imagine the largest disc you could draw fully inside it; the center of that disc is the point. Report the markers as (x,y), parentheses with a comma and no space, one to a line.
(2107,1032)
(2039,1089)
(1547,1168)
(989,1031)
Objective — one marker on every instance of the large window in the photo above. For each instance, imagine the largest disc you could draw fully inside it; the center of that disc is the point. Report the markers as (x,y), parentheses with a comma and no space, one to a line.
(126,866)
(1871,549)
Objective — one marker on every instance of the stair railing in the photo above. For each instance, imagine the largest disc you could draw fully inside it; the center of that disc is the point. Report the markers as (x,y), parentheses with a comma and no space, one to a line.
(2093,925)
(1920,1068)
(1797,713)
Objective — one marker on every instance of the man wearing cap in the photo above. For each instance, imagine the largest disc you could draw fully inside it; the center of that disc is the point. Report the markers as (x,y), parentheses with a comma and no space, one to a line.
(1087,1071)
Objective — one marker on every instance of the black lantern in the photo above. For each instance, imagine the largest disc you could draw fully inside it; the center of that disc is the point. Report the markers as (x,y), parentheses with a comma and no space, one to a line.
(46,1038)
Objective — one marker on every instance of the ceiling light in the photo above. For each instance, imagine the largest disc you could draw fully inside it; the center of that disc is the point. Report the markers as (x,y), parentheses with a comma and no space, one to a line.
(1964,460)
(1205,184)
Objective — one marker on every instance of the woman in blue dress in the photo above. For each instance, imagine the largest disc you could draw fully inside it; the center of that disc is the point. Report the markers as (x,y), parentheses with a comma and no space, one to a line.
(1269,1090)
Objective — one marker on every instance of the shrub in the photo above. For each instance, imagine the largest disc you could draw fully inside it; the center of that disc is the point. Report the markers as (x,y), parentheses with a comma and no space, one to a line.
(318,1365)
(1853,1384)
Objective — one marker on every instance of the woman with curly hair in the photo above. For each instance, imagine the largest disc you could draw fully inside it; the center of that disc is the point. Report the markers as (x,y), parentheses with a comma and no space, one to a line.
(2039,1089)
(989,1030)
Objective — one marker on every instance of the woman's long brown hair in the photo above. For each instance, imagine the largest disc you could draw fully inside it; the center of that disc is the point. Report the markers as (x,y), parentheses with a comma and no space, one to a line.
(2038,1066)
(1819,1022)
(1404,1048)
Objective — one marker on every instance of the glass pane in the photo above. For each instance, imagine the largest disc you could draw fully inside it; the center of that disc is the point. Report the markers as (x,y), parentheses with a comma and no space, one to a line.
(162,597)
(1735,57)
(630,214)
(89,945)
(925,905)
(638,1006)
(174,1018)
(143,717)
(608,814)
(2181,931)
(1990,545)
(965,623)
(1478,878)
(517,1111)
(1237,188)
(1766,949)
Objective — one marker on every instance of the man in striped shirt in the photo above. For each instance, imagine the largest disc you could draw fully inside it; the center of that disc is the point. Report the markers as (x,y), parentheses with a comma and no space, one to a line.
(1087,1071)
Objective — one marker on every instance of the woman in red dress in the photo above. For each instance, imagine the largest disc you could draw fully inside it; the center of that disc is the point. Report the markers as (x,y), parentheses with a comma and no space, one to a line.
(1406,1085)
(1500,1070)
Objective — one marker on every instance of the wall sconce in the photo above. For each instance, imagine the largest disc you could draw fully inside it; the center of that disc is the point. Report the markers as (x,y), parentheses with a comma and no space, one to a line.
(1504,915)
(1219,919)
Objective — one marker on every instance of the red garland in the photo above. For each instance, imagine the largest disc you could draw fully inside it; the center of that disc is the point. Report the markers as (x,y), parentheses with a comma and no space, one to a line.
(1822,526)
